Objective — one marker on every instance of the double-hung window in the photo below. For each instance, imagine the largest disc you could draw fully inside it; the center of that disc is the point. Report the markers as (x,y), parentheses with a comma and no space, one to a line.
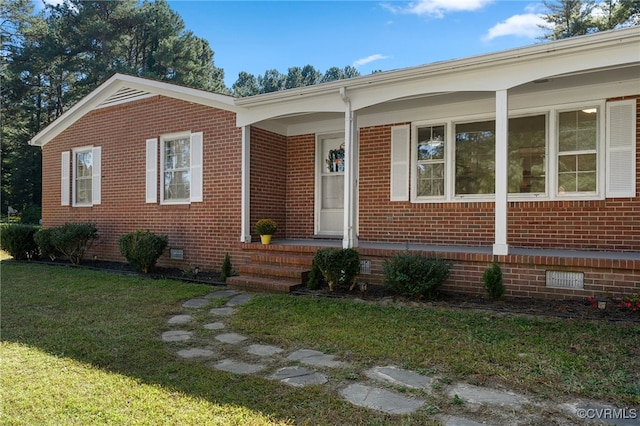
(81,177)
(577,151)
(430,161)
(180,170)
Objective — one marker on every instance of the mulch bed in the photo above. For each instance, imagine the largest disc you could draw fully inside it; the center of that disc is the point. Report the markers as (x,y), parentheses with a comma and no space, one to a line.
(576,309)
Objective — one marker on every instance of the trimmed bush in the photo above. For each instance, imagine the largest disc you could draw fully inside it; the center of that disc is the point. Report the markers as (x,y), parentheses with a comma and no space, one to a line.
(31,215)
(18,241)
(142,249)
(74,239)
(315,277)
(493,284)
(338,266)
(415,275)
(44,239)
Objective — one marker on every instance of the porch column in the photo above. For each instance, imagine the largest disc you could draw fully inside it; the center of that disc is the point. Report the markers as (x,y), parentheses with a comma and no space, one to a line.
(245,210)
(350,238)
(500,246)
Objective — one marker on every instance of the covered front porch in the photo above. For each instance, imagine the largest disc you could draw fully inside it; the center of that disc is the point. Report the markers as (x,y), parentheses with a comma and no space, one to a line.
(540,273)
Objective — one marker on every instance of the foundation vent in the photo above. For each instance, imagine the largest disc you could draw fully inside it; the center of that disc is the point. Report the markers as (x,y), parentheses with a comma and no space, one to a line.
(365,266)
(177,254)
(563,279)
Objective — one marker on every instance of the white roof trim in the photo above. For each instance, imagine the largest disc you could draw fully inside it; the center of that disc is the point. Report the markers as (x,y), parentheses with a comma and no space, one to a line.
(121,88)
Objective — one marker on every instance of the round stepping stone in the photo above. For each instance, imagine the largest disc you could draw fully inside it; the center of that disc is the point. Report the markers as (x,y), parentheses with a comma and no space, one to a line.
(481,395)
(231,338)
(299,376)
(214,326)
(223,312)
(237,367)
(316,358)
(222,294)
(240,299)
(196,303)
(264,350)
(180,319)
(195,353)
(380,399)
(176,335)
(400,377)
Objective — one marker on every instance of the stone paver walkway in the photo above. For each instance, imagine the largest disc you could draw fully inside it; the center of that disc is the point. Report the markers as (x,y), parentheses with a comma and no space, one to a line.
(389,389)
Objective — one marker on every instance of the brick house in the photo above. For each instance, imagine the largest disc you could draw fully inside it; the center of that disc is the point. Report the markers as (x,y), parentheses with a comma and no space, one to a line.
(527,157)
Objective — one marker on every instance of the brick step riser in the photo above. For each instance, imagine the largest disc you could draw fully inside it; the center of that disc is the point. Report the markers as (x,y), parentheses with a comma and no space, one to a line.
(258,284)
(277,274)
(282,260)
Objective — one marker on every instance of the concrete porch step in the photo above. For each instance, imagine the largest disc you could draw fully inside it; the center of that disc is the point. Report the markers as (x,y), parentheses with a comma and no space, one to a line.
(261,284)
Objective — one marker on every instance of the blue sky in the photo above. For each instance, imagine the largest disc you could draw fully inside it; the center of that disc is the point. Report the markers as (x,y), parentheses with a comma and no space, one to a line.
(255,36)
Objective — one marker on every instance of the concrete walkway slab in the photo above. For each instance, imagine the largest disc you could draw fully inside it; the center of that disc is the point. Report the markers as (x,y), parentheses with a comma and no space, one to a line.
(380,399)
(264,350)
(222,294)
(299,376)
(221,312)
(481,395)
(196,303)
(399,377)
(176,335)
(231,338)
(219,325)
(196,353)
(240,299)
(180,319)
(236,367)
(315,358)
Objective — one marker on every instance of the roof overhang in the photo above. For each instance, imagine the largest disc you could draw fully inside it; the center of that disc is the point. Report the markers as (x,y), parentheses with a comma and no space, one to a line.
(120,89)
(491,72)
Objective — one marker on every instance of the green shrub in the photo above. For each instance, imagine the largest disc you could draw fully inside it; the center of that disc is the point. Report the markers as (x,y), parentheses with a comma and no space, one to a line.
(44,240)
(17,240)
(142,249)
(31,215)
(74,239)
(414,275)
(227,269)
(338,266)
(314,281)
(492,278)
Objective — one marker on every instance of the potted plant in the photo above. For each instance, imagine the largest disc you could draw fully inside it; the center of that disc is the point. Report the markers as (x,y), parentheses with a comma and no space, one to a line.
(266,228)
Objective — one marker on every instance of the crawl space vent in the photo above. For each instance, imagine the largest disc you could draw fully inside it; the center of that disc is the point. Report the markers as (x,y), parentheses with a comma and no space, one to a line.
(365,266)
(563,279)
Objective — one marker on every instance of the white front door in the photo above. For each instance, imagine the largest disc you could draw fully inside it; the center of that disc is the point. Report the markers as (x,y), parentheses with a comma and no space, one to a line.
(330,164)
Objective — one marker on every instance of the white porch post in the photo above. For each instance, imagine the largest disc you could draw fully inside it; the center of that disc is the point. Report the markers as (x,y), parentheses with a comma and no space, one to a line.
(500,246)
(350,238)
(245,210)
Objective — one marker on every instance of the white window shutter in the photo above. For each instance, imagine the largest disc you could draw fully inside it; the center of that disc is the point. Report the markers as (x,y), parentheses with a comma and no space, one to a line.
(196,167)
(96,175)
(65,179)
(152,171)
(400,151)
(621,149)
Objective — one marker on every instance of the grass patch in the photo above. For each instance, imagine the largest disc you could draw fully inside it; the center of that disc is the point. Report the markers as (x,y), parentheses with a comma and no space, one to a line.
(83,347)
(546,357)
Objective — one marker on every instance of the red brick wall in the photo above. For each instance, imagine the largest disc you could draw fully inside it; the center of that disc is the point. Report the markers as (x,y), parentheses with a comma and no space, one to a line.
(205,230)
(268,180)
(301,186)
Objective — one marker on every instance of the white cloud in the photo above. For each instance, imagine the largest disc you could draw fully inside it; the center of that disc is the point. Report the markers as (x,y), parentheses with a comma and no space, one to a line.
(369,59)
(527,25)
(437,8)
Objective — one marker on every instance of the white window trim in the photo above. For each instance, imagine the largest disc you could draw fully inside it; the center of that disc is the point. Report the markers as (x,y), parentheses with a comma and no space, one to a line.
(551,161)
(414,162)
(163,139)
(74,169)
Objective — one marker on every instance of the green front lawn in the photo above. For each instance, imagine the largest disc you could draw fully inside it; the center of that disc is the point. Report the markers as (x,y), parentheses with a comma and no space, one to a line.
(84,347)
